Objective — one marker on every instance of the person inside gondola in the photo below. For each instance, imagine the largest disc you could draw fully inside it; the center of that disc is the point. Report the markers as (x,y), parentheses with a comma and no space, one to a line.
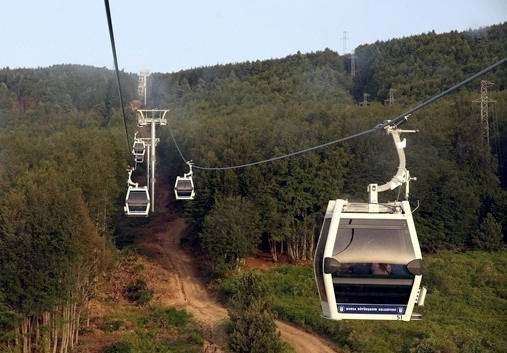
(380,269)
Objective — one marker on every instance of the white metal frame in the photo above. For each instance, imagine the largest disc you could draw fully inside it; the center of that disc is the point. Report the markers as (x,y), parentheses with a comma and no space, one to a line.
(185,177)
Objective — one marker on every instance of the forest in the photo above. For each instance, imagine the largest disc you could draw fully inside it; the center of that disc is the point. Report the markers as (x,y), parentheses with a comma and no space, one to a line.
(233,114)
(63,171)
(62,166)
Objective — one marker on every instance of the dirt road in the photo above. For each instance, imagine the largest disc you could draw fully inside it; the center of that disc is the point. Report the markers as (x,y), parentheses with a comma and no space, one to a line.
(183,286)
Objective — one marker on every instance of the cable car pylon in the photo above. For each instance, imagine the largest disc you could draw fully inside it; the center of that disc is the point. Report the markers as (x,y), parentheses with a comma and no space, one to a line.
(152,118)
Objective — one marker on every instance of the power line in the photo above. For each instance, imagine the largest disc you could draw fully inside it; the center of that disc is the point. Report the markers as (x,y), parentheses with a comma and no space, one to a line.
(115,58)
(396,121)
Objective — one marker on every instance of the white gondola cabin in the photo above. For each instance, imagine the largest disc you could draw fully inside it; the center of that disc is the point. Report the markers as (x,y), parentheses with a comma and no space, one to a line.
(138,150)
(368,263)
(137,200)
(184,186)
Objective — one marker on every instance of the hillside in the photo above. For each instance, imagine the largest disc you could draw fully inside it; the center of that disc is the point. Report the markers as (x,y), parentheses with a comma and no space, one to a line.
(232,114)
(418,66)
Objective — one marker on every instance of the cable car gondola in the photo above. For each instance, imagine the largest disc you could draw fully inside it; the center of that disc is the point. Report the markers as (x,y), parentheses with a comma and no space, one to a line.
(138,150)
(137,200)
(368,262)
(184,186)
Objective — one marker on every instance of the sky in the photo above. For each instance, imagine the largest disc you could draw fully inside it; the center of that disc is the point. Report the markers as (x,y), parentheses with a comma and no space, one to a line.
(168,35)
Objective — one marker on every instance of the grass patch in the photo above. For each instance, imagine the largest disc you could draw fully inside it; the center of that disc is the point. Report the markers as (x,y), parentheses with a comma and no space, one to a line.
(466,308)
(156,330)
(196,338)
(166,318)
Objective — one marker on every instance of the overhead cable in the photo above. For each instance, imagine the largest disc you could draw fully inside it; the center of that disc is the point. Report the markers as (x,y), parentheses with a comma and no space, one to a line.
(115,58)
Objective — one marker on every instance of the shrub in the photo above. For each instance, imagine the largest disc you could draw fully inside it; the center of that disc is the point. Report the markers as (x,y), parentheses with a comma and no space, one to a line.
(112,325)
(138,292)
(119,347)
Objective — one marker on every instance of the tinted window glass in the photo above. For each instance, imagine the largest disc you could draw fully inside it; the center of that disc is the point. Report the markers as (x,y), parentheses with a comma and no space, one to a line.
(372,294)
(373,270)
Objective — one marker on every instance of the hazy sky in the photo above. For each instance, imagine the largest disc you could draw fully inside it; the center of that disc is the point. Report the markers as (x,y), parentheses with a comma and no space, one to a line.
(171,35)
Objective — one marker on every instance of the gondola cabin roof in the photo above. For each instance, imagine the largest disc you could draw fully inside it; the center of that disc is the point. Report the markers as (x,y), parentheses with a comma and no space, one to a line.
(184,185)
(361,240)
(138,197)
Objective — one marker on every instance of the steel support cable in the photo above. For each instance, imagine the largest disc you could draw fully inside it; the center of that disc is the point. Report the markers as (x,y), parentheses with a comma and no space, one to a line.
(115,58)
(398,120)
(272,159)
(176,144)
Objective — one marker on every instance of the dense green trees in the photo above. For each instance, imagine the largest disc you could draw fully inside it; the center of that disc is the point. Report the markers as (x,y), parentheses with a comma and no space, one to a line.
(231,231)
(61,177)
(489,236)
(418,66)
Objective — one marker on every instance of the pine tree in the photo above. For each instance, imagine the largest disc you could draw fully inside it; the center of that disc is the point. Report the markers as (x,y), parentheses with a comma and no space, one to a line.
(489,236)
(254,329)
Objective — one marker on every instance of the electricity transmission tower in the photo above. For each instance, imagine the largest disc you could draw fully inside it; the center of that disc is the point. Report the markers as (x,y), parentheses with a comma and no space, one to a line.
(484,101)
(142,86)
(352,55)
(390,99)
(344,39)
(364,103)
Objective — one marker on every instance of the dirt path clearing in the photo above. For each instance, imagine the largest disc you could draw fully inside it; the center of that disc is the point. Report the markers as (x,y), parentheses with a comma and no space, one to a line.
(161,242)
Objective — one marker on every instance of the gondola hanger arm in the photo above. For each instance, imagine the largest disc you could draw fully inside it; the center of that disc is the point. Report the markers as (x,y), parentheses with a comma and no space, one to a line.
(129,181)
(402,175)
(190,173)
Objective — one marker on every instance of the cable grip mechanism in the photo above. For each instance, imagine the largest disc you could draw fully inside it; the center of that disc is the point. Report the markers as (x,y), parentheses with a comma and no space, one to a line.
(402,175)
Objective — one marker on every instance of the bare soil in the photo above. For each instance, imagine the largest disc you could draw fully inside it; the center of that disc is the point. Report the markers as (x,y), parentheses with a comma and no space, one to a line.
(173,273)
